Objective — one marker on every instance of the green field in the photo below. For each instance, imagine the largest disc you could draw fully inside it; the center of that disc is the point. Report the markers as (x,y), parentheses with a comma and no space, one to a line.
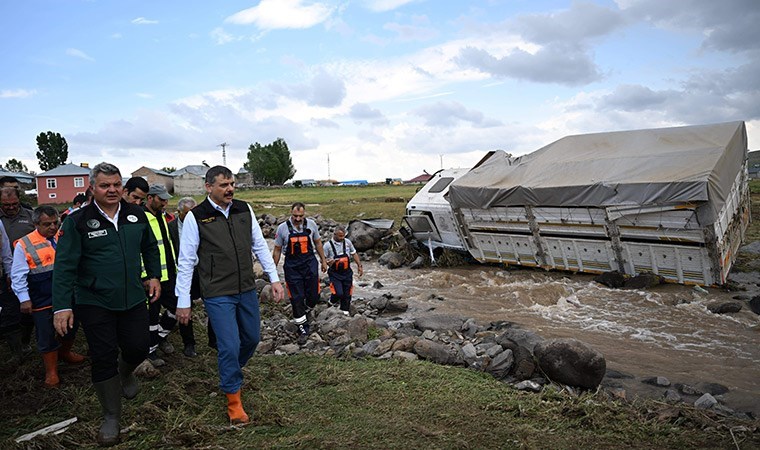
(341,203)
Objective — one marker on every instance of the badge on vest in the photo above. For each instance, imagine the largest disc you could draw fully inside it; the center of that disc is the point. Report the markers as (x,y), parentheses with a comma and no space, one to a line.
(208,220)
(93,223)
(132,218)
(96,234)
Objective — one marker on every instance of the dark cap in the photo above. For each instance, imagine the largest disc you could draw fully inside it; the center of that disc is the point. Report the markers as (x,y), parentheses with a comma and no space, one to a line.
(160,191)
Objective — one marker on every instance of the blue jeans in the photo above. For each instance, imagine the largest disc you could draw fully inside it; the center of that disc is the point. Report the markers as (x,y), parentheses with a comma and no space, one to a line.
(237,323)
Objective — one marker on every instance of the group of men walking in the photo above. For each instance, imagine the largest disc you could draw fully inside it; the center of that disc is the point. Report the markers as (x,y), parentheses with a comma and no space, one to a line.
(114,264)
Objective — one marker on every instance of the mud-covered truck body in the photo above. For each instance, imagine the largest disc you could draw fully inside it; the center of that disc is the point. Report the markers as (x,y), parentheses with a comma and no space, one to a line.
(672,201)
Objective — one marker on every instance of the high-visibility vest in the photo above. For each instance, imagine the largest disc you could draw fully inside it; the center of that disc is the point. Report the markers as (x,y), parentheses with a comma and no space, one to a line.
(162,245)
(40,256)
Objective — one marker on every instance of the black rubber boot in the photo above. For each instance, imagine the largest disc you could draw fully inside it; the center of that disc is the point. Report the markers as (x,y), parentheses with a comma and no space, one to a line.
(109,395)
(26,338)
(129,385)
(13,338)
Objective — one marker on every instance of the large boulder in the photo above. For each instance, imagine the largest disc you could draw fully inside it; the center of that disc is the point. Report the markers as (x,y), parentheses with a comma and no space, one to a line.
(392,260)
(363,236)
(438,322)
(436,352)
(570,362)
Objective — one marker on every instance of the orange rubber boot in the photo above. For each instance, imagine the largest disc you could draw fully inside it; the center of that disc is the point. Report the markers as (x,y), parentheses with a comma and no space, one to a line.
(65,353)
(235,409)
(51,368)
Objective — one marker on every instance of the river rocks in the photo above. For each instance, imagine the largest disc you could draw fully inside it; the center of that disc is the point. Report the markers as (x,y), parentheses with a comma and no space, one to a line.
(657,381)
(643,280)
(706,401)
(613,279)
(754,305)
(571,362)
(672,396)
(418,263)
(724,307)
(438,322)
(524,338)
(435,352)
(392,260)
(501,364)
(363,236)
(712,388)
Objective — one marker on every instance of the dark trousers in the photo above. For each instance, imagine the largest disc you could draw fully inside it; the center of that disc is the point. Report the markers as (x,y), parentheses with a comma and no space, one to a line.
(10,315)
(162,325)
(341,287)
(45,332)
(302,281)
(108,331)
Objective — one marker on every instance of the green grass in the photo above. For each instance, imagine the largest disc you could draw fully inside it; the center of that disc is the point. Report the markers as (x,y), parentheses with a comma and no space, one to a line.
(324,402)
(340,203)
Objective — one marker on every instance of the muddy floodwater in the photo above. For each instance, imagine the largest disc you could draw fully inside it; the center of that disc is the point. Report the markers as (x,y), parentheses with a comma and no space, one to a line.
(664,331)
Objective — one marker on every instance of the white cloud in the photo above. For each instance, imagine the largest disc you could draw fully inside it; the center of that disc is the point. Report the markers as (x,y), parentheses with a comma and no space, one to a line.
(221,37)
(144,95)
(385,5)
(144,21)
(76,53)
(17,93)
(277,14)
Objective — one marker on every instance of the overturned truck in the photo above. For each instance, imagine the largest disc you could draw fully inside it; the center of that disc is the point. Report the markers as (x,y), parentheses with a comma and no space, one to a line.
(672,201)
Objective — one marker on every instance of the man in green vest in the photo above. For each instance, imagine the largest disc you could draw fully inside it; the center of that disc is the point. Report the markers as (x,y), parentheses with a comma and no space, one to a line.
(161,325)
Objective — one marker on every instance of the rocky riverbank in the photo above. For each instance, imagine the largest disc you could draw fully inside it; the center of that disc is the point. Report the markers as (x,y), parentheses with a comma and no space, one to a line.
(385,326)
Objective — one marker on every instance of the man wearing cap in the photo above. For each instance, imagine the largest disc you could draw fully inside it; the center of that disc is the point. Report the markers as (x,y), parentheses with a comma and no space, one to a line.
(160,326)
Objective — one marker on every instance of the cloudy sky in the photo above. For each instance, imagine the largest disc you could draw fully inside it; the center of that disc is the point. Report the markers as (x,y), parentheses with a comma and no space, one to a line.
(379,88)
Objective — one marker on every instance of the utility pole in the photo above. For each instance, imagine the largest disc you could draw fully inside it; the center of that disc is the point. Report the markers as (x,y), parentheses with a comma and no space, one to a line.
(441,155)
(224,153)
(328,168)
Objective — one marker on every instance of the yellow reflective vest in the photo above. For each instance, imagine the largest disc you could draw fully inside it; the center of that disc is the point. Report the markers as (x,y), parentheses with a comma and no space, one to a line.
(162,245)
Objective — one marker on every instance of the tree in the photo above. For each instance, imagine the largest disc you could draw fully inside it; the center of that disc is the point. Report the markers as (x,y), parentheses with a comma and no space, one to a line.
(169,169)
(14,165)
(54,150)
(271,163)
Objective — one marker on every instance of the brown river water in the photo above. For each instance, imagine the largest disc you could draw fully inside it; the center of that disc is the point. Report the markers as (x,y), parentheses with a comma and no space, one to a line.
(664,331)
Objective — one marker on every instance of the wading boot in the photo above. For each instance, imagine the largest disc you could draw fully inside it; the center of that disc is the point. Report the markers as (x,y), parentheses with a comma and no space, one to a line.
(13,339)
(303,333)
(109,395)
(129,385)
(26,338)
(65,354)
(50,359)
(235,409)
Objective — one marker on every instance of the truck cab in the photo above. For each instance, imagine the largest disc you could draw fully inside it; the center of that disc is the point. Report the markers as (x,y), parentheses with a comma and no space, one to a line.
(429,218)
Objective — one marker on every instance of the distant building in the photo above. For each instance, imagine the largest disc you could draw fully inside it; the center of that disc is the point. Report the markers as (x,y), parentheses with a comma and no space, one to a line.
(62,184)
(243,178)
(190,180)
(354,183)
(155,176)
(420,179)
(308,182)
(22,177)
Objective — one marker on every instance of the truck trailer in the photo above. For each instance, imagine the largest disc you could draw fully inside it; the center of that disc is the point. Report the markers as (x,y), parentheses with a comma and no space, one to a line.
(670,201)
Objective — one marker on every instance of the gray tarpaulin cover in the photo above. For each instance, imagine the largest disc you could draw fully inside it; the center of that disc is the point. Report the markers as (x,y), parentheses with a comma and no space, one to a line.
(664,166)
